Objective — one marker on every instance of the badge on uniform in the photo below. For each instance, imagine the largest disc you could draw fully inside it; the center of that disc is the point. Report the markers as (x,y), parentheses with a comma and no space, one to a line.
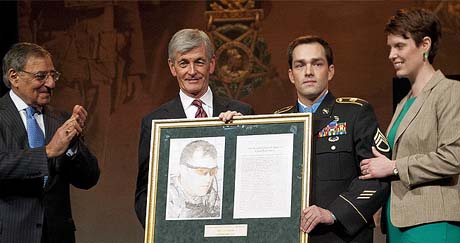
(381,142)
(334,128)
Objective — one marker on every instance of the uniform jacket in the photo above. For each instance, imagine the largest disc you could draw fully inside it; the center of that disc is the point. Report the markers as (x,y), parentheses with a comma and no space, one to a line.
(427,154)
(26,208)
(344,129)
(170,110)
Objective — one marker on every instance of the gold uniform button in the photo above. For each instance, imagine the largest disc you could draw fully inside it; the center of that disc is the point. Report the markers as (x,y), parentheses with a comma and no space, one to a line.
(333,147)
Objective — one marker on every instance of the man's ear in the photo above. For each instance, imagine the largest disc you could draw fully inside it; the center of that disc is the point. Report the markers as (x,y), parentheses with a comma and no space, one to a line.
(13,77)
(212,64)
(330,72)
(291,76)
(171,67)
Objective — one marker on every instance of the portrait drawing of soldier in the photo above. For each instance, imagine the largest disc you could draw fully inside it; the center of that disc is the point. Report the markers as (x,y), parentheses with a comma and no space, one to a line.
(194,191)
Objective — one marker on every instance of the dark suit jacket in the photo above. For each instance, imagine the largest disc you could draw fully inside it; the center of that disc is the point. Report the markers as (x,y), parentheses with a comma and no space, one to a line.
(335,169)
(26,208)
(170,110)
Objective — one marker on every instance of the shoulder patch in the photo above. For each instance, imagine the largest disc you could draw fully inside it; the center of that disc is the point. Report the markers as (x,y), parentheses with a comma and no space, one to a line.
(351,100)
(284,109)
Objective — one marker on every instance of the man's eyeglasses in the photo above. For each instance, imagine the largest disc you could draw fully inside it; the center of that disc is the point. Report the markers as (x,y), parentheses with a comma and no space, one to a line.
(201,170)
(43,75)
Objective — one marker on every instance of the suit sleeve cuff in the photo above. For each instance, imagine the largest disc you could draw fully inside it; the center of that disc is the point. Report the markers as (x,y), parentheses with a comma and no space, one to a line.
(348,215)
(403,171)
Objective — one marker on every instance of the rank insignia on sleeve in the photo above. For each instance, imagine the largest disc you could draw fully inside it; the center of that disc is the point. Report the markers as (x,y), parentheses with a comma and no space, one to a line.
(333,129)
(366,194)
(381,142)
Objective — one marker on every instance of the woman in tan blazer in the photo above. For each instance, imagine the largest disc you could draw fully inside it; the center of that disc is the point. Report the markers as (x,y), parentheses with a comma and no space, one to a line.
(424,205)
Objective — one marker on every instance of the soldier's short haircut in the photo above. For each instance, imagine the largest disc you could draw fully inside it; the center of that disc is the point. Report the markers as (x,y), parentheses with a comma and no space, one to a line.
(207,148)
(308,39)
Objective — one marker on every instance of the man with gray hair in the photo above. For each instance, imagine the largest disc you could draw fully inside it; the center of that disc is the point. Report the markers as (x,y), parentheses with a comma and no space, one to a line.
(41,152)
(193,193)
(191,60)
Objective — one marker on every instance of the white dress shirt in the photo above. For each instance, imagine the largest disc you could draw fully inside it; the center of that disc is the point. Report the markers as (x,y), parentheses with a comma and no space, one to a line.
(190,109)
(22,106)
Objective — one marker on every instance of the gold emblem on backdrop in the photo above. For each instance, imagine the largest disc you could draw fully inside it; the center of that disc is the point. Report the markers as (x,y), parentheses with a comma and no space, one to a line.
(243,60)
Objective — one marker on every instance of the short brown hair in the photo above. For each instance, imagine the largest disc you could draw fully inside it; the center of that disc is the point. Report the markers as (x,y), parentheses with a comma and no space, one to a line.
(308,39)
(416,23)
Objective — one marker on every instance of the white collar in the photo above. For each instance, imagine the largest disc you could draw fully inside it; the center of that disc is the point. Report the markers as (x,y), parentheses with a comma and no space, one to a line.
(18,102)
(187,100)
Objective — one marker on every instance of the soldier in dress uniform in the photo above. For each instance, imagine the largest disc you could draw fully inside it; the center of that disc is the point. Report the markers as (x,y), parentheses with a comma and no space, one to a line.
(344,132)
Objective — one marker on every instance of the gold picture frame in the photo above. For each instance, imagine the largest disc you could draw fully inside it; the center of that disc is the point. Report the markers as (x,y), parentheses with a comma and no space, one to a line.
(221,225)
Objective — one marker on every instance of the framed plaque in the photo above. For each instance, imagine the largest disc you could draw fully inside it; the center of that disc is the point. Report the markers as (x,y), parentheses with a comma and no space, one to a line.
(244,181)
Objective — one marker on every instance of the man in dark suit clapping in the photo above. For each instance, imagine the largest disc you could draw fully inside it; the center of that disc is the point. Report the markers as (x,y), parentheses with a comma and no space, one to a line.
(41,152)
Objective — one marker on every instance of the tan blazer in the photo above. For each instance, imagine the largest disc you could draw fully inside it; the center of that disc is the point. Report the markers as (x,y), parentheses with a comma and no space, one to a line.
(427,154)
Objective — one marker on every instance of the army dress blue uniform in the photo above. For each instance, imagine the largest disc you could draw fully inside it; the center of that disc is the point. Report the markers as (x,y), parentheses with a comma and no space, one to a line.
(344,129)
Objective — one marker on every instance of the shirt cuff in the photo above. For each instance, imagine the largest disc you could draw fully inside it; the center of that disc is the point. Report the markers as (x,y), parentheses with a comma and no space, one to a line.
(333,217)
(71,151)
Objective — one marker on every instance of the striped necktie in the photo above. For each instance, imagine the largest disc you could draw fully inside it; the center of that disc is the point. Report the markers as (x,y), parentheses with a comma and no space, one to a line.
(200,113)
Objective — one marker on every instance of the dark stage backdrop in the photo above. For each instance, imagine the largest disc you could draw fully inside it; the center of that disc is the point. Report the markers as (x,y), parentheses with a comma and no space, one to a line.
(9,20)
(113,56)
(401,87)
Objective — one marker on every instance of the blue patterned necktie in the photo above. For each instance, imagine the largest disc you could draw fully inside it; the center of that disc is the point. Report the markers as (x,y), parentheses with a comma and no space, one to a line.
(34,133)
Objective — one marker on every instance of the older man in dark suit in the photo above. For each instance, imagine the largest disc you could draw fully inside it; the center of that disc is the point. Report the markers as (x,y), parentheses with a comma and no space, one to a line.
(41,152)
(191,60)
